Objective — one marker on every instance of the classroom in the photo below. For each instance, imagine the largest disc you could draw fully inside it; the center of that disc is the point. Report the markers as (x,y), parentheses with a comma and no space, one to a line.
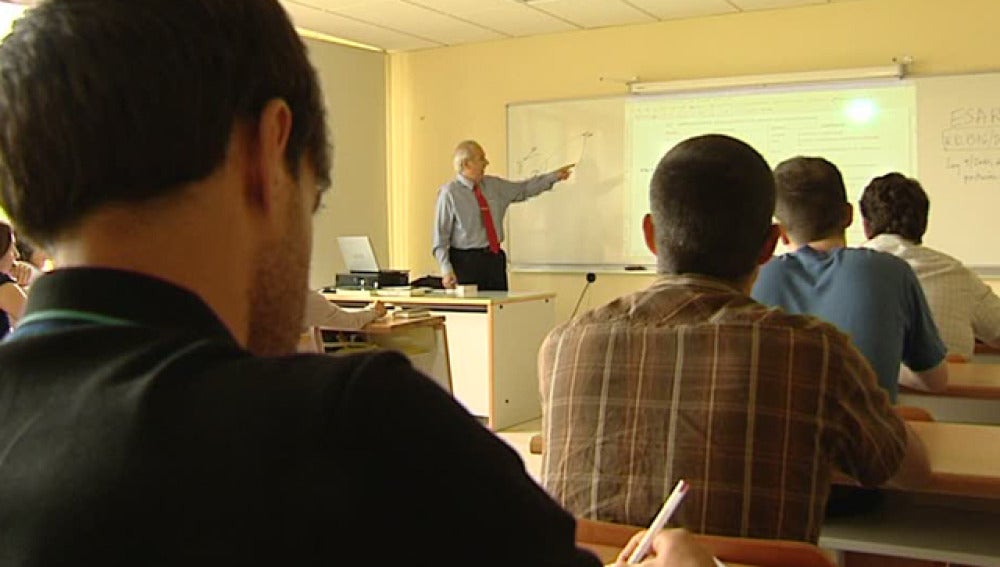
(398,102)
(437,96)
(415,105)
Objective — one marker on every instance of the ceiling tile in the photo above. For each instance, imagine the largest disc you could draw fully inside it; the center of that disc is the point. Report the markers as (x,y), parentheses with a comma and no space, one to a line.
(595,13)
(518,20)
(676,9)
(419,21)
(770,4)
(346,28)
(460,8)
(326,4)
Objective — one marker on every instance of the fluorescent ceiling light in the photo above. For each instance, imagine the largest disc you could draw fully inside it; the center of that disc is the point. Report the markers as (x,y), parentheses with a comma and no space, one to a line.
(333,39)
(895,70)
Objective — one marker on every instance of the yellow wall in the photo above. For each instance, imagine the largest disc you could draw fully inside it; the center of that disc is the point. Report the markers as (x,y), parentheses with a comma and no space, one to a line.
(354,89)
(444,95)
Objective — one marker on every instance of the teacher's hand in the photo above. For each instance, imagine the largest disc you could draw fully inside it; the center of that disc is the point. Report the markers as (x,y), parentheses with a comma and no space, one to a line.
(449,280)
(564,172)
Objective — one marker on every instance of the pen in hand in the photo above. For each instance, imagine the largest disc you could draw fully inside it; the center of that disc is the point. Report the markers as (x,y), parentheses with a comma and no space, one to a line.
(668,509)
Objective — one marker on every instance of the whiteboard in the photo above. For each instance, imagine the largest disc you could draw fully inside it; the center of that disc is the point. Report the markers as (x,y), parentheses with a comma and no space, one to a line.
(958,160)
(943,130)
(580,222)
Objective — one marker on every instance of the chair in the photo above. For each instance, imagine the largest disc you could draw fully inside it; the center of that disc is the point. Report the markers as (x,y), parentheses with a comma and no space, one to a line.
(606,539)
(537,444)
(911,413)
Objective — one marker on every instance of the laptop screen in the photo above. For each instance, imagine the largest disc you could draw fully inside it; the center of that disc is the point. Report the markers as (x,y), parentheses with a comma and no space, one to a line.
(358,254)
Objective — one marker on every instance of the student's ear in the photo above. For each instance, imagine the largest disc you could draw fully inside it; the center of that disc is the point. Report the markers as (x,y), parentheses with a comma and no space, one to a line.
(848,215)
(649,232)
(767,251)
(266,165)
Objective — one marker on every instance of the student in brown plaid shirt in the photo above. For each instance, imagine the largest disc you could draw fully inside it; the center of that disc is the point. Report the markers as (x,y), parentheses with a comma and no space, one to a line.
(693,379)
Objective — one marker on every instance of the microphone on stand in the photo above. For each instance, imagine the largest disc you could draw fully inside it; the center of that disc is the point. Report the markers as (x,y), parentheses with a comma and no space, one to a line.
(591,278)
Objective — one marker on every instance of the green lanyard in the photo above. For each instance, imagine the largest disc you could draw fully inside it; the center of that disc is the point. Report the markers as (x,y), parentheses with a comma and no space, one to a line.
(72,316)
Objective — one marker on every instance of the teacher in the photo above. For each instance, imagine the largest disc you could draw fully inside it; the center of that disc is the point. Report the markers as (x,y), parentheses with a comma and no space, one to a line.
(468,225)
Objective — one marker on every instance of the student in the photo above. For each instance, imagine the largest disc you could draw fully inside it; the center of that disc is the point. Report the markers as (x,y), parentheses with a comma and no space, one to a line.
(322,313)
(468,222)
(142,420)
(894,211)
(691,379)
(12,296)
(873,297)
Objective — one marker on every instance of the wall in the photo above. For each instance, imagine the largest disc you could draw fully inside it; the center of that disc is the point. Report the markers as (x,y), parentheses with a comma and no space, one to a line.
(443,95)
(354,87)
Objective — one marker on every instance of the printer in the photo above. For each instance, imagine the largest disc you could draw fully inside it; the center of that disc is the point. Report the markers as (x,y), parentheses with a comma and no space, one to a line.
(363,268)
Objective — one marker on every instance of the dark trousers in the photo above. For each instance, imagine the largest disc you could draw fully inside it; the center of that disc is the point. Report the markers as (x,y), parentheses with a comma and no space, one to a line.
(481,267)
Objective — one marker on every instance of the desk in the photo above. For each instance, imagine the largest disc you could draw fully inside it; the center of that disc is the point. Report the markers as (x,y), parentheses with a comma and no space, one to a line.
(609,553)
(423,340)
(965,459)
(906,525)
(493,342)
(972,396)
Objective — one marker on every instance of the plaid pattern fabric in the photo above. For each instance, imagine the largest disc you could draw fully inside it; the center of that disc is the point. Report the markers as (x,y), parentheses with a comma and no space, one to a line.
(964,308)
(692,379)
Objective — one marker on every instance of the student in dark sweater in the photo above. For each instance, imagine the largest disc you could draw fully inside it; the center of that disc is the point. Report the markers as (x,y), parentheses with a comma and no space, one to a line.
(170,157)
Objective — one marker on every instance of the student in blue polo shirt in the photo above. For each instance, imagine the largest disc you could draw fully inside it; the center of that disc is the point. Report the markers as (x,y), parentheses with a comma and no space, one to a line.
(872,296)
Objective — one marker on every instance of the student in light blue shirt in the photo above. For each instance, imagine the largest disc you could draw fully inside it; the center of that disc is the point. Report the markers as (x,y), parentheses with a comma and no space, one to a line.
(872,296)
(468,224)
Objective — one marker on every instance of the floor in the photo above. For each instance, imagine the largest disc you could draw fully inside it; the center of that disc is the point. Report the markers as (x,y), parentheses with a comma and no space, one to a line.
(518,437)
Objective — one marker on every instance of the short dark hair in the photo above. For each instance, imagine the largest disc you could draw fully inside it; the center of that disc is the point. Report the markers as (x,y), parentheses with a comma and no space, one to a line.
(811,198)
(712,199)
(6,235)
(123,101)
(895,204)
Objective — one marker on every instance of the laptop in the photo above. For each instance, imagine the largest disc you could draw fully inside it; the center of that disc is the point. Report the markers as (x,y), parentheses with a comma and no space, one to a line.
(359,256)
(363,270)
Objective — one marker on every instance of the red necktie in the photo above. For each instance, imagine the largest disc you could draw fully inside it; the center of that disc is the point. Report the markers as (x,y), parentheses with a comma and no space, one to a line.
(484,208)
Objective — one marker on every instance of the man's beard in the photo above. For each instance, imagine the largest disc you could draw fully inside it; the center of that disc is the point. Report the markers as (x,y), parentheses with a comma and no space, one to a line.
(277,298)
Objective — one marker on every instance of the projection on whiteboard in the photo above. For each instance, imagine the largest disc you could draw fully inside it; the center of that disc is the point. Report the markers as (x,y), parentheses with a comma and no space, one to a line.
(594,218)
(864,131)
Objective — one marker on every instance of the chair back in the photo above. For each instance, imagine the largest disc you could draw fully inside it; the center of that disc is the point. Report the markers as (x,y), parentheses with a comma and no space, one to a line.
(311,340)
(913,413)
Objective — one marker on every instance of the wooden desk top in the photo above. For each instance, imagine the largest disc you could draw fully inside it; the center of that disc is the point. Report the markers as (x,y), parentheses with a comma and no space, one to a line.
(965,459)
(969,380)
(438,297)
(388,325)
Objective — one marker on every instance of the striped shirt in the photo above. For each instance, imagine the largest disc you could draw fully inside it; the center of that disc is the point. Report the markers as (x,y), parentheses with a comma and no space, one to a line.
(963,306)
(692,379)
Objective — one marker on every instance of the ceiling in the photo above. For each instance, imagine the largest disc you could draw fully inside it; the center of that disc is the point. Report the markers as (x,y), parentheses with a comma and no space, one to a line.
(404,25)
